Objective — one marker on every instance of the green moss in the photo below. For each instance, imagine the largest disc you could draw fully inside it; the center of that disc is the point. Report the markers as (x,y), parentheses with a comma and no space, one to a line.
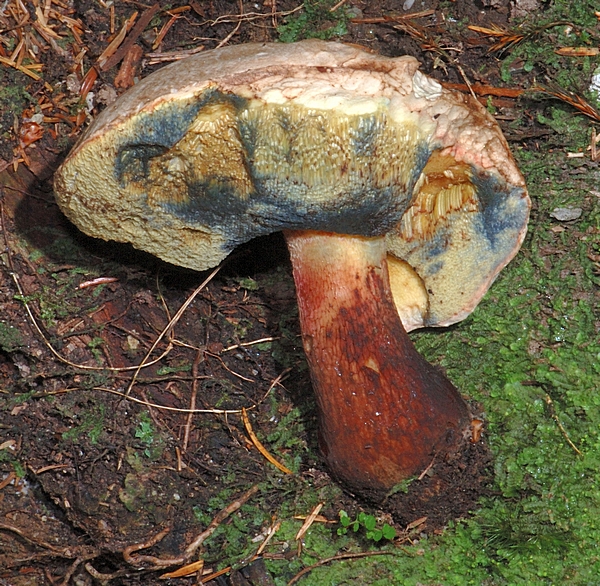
(10,338)
(286,439)
(314,21)
(19,469)
(93,425)
(63,298)
(14,98)
(133,492)
(530,353)
(561,24)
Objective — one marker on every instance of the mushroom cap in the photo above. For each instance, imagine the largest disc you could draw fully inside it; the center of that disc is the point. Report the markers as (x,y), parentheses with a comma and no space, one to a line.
(234,143)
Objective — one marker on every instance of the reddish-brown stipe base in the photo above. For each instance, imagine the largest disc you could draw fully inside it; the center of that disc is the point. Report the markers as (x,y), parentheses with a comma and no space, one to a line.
(385,412)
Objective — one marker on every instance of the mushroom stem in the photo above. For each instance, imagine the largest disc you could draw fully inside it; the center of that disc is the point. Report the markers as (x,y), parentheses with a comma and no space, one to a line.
(385,412)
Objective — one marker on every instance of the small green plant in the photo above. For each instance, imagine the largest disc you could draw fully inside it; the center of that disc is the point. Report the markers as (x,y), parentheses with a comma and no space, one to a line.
(249,284)
(92,423)
(402,486)
(19,469)
(369,523)
(165,370)
(145,430)
(94,344)
(149,436)
(315,21)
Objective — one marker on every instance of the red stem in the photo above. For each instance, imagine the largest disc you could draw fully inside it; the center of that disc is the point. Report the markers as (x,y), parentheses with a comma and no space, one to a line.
(385,412)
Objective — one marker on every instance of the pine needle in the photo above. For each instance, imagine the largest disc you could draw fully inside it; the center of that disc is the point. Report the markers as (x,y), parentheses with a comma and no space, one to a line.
(259,446)
(571,98)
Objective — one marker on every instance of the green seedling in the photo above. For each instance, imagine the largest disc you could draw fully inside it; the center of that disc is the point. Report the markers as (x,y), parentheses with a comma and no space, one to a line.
(149,436)
(249,284)
(369,524)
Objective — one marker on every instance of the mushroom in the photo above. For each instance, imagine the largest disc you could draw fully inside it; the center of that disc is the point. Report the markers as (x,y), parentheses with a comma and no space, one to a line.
(399,201)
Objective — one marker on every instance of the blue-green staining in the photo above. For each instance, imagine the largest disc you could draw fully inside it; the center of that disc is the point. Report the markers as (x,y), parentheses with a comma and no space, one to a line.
(502,209)
(132,163)
(363,136)
(154,132)
(244,169)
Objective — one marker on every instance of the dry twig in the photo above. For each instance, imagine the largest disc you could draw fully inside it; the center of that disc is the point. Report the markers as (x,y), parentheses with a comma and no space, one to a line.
(190,417)
(486,90)
(563,431)
(260,447)
(308,521)
(343,556)
(171,324)
(132,37)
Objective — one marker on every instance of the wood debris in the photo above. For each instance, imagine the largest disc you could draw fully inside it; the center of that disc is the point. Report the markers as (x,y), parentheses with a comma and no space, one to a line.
(259,446)
(578,51)
(28,30)
(308,521)
(119,54)
(129,68)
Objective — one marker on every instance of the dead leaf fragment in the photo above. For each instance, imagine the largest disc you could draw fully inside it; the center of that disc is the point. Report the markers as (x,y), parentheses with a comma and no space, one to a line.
(184,571)
(8,445)
(578,51)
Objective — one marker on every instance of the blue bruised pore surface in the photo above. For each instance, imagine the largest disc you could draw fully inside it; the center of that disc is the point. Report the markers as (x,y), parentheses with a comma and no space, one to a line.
(500,214)
(154,133)
(499,211)
(279,178)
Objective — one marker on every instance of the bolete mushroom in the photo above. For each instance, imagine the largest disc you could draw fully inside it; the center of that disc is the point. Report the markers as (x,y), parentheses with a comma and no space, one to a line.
(374,173)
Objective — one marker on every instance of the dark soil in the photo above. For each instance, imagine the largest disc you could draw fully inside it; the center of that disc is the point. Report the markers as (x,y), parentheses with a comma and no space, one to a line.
(98,472)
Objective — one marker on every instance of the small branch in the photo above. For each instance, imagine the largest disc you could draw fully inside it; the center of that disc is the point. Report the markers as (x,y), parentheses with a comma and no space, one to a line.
(486,90)
(219,518)
(235,30)
(163,407)
(554,416)
(344,556)
(190,417)
(131,38)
